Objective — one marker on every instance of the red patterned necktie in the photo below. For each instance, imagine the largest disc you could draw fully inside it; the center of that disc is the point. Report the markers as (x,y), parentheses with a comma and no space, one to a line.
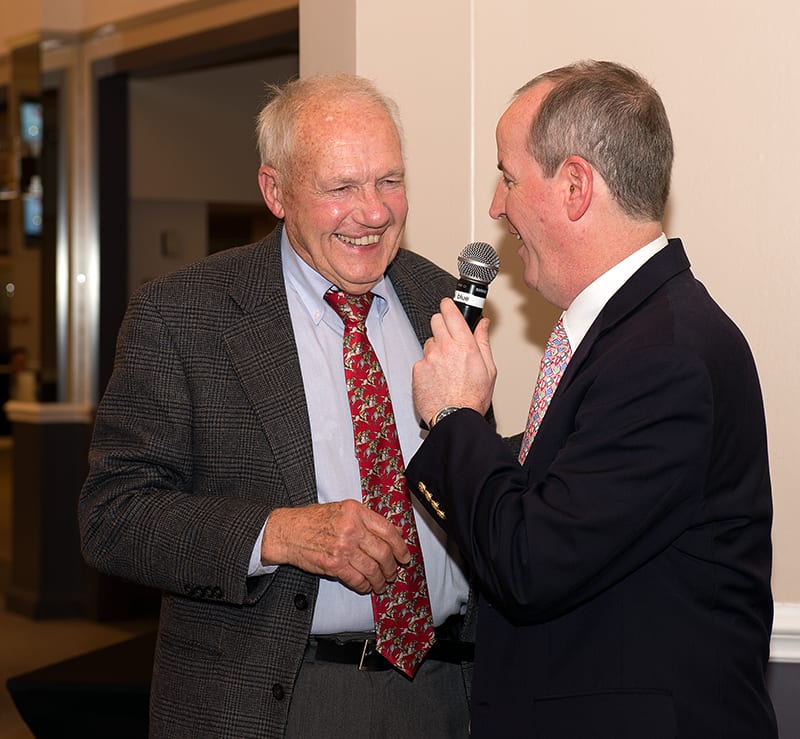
(403,622)
(556,356)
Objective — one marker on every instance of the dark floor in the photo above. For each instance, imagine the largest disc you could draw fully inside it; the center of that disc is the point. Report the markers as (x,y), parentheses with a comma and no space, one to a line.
(26,644)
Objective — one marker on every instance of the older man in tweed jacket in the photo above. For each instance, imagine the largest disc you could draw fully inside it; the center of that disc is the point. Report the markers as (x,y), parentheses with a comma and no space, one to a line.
(214,470)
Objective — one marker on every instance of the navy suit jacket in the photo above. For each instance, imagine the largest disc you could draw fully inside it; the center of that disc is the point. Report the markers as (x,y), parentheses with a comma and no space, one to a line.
(625,568)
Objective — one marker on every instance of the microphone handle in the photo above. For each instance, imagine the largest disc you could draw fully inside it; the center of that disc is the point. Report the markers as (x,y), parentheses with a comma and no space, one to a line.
(470,298)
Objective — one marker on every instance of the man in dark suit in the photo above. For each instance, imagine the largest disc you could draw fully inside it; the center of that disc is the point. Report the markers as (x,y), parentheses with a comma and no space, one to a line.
(623,549)
(222,468)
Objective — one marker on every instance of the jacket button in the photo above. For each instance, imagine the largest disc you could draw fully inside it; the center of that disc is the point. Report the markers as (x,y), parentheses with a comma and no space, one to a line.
(277,692)
(300,602)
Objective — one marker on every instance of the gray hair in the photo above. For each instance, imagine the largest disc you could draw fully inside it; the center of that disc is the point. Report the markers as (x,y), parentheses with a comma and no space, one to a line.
(276,121)
(613,118)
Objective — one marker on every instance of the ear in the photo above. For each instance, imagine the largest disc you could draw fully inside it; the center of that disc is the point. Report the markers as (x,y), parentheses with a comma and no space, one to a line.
(578,177)
(269,184)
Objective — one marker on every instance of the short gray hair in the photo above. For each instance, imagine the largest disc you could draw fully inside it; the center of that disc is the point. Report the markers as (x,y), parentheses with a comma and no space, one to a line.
(277,119)
(613,118)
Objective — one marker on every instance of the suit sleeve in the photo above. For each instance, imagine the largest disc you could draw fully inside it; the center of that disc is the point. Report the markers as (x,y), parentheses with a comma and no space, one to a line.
(143,513)
(625,481)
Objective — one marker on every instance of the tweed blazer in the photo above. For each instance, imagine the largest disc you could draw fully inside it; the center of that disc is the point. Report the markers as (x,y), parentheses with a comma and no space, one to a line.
(202,431)
(624,569)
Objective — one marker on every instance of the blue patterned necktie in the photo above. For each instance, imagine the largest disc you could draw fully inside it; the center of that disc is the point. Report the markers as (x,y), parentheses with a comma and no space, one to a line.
(556,356)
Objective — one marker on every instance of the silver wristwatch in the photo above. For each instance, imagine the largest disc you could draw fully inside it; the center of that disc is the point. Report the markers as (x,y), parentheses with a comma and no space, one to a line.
(443,413)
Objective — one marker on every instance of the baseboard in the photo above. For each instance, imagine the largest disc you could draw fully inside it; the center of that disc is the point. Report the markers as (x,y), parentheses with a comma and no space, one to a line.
(785,643)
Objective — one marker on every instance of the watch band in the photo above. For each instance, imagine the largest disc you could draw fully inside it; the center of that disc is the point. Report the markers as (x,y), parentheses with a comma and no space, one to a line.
(443,413)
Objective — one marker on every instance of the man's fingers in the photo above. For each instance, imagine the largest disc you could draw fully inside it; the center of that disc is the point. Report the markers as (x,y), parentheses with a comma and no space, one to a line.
(373,564)
(355,580)
(387,545)
(454,321)
(364,574)
(438,330)
(482,339)
(344,540)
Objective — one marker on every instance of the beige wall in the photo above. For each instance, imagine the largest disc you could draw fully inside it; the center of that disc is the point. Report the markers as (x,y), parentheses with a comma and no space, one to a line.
(729,77)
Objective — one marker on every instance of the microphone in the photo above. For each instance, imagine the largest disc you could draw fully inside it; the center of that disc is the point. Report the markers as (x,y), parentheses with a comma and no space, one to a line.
(478,265)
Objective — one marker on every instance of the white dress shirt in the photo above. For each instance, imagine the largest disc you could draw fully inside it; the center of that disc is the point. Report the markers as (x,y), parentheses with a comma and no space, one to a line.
(583,311)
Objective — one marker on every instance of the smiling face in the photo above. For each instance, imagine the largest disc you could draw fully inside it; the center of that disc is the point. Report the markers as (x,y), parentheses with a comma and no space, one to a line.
(344,200)
(527,200)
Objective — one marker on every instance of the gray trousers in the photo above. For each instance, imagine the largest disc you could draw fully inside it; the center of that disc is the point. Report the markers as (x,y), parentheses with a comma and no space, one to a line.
(333,701)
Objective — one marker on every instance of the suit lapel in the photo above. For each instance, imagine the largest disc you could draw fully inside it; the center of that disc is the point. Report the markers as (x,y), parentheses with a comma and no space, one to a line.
(264,355)
(660,268)
(415,295)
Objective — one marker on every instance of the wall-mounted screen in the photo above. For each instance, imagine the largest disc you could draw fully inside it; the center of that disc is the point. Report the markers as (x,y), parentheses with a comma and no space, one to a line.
(32,216)
(31,121)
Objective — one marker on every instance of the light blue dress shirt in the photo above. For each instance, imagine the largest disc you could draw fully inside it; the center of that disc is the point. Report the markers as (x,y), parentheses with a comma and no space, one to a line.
(318,333)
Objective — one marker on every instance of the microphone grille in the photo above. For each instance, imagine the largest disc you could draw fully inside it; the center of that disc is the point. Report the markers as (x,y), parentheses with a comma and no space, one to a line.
(478,261)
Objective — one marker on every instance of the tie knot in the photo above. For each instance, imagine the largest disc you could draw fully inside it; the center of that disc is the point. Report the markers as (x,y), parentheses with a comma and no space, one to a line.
(351,308)
(558,340)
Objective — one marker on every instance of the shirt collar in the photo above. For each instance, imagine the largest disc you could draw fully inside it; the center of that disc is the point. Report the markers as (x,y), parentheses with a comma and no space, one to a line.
(592,299)
(311,286)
